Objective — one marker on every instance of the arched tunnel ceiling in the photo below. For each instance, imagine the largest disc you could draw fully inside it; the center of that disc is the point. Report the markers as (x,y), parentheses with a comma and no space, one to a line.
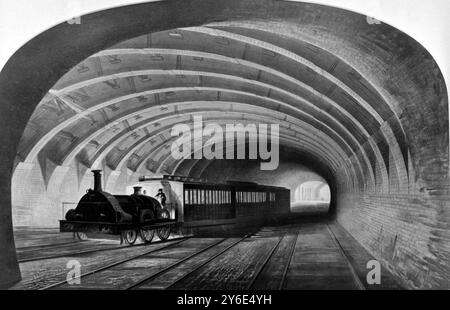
(117,107)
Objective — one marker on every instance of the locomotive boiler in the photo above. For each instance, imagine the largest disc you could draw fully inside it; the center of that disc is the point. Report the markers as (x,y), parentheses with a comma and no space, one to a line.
(101,207)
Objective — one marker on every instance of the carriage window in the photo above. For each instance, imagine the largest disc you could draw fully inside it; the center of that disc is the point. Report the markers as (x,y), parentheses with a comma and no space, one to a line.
(186,196)
(272,197)
(202,196)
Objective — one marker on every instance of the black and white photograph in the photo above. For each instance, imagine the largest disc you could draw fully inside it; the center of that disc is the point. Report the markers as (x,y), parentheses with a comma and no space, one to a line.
(224,151)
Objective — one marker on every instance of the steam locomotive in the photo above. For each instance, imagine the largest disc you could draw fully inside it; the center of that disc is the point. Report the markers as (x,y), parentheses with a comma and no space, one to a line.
(118,211)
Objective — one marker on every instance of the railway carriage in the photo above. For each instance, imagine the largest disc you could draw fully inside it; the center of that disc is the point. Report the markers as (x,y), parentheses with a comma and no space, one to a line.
(198,204)
(191,206)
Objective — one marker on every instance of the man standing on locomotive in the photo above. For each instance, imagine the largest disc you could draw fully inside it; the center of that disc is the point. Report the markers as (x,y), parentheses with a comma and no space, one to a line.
(161,197)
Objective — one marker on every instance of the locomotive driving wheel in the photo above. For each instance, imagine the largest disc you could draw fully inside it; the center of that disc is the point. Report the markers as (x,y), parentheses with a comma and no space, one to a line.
(147,235)
(163,233)
(130,236)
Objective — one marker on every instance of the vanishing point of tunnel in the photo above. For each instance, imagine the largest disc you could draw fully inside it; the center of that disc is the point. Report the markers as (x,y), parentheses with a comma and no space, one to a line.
(362,147)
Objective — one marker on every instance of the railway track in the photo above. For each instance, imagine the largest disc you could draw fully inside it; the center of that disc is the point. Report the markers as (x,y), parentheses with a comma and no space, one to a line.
(173,275)
(359,285)
(209,260)
(32,248)
(266,261)
(137,285)
(172,242)
(61,255)
(282,284)
(83,252)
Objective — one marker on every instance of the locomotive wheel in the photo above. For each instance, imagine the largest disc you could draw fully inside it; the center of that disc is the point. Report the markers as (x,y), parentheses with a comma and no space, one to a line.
(81,236)
(130,236)
(147,235)
(163,233)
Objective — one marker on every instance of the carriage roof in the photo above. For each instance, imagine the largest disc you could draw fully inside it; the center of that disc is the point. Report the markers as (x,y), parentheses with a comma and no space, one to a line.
(197,181)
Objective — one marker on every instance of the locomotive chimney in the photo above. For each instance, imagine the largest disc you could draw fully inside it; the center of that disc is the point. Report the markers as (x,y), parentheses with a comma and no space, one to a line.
(97,180)
(137,190)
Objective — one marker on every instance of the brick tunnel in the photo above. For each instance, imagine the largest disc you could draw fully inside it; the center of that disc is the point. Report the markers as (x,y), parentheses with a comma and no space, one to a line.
(361,107)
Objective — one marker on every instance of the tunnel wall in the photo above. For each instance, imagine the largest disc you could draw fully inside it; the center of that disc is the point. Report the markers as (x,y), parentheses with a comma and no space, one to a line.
(37,198)
(407,233)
